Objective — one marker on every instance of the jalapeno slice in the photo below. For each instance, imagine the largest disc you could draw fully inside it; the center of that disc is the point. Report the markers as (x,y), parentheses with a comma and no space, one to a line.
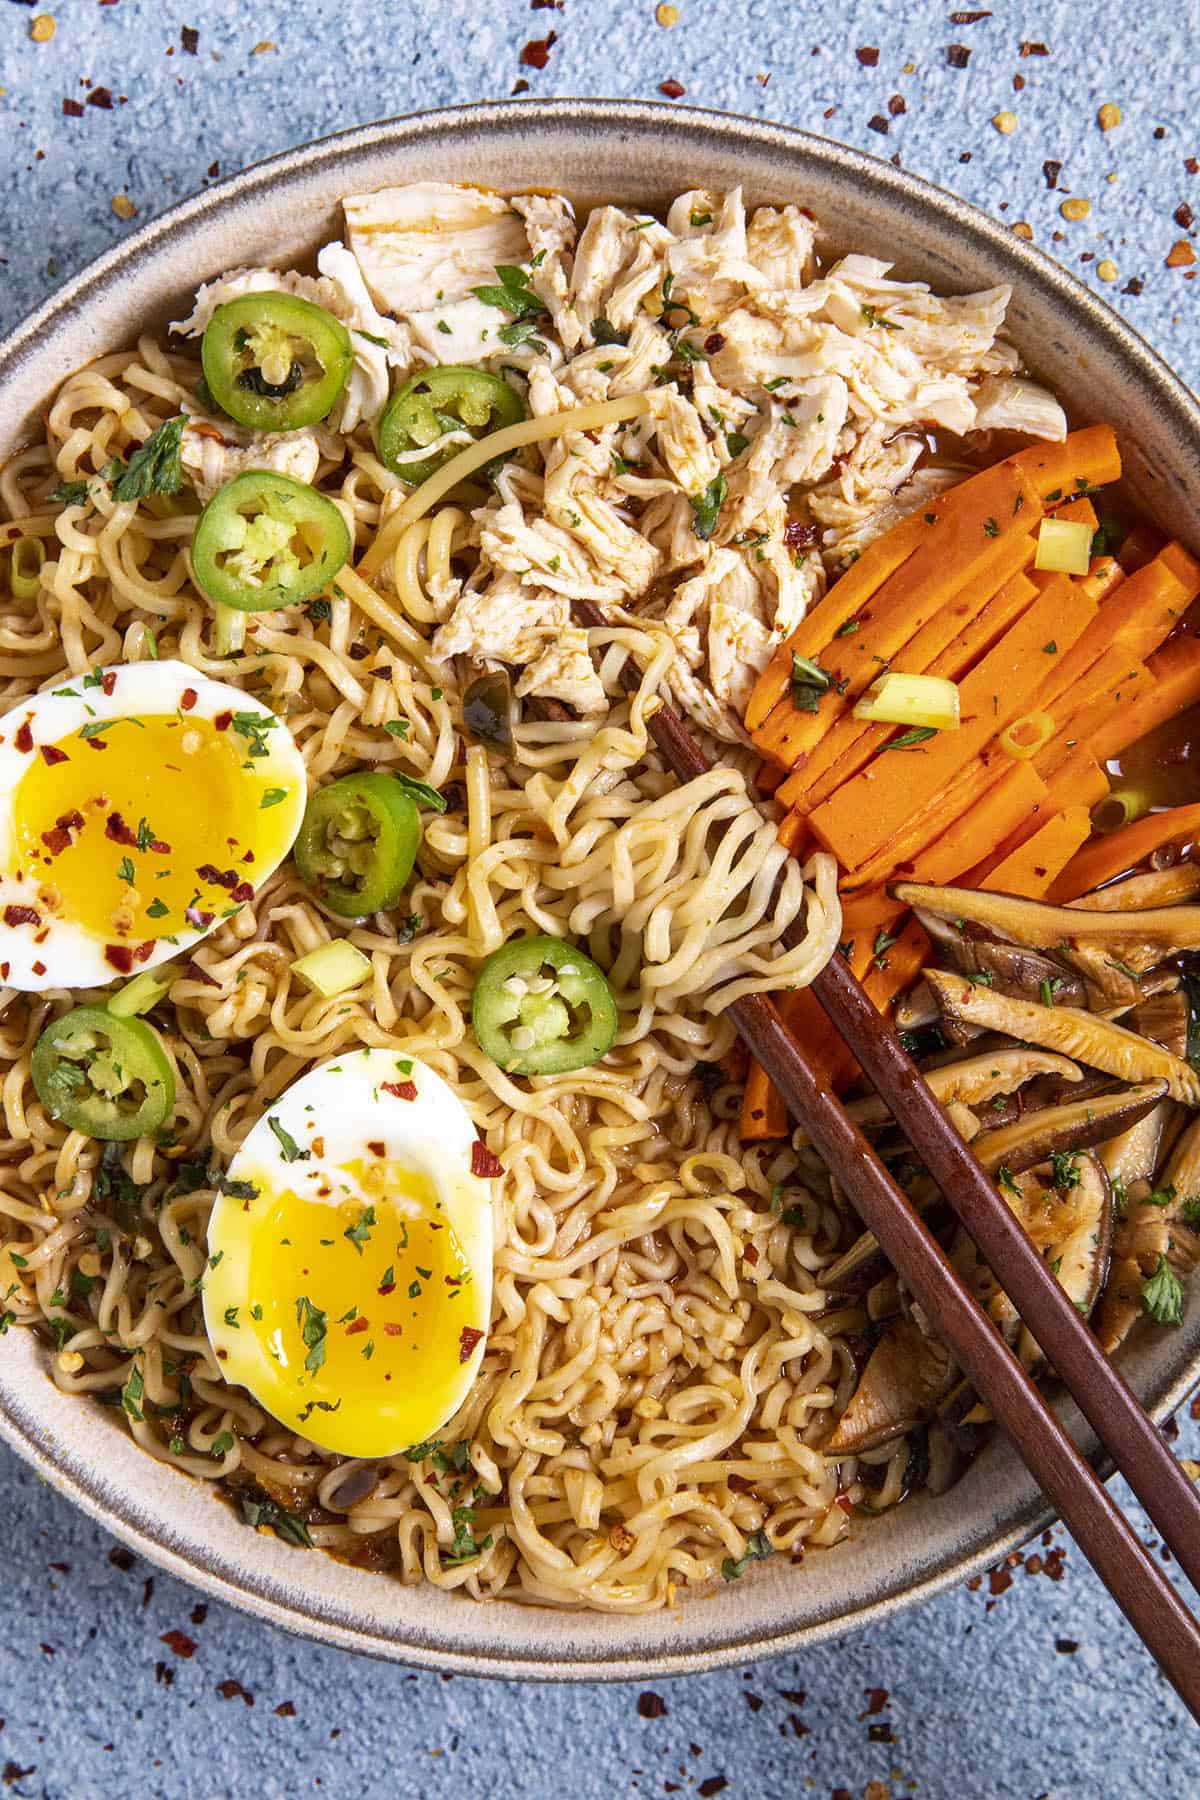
(358,843)
(435,401)
(106,1076)
(265,540)
(275,362)
(540,1007)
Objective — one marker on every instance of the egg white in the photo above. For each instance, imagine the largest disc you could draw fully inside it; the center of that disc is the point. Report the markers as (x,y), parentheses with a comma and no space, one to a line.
(344,1108)
(60,952)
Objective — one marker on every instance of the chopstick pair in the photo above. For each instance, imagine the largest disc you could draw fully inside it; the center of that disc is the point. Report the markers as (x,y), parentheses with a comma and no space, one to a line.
(1131,1574)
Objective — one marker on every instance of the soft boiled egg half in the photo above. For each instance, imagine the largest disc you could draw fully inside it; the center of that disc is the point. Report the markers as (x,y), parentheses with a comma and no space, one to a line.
(139,806)
(349,1279)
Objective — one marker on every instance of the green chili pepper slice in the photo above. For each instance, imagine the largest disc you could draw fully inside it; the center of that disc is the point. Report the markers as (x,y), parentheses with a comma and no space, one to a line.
(540,1007)
(435,401)
(106,1076)
(275,362)
(265,540)
(358,843)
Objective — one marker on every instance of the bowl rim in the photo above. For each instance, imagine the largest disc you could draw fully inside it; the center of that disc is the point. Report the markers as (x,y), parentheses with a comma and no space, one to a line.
(980,232)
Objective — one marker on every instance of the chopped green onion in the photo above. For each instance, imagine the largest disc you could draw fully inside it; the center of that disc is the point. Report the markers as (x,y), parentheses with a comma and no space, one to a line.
(332,969)
(143,992)
(230,634)
(28,555)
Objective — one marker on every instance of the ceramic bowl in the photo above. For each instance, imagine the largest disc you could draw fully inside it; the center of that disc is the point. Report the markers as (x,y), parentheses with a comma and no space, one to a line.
(280,211)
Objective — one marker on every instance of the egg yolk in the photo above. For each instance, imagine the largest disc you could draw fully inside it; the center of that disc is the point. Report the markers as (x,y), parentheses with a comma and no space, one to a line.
(360,1304)
(146,826)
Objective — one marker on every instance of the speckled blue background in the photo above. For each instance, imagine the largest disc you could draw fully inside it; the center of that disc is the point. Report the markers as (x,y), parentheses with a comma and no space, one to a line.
(1028,1686)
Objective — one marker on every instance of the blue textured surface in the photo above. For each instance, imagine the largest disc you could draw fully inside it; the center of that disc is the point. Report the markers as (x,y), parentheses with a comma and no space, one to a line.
(1035,1690)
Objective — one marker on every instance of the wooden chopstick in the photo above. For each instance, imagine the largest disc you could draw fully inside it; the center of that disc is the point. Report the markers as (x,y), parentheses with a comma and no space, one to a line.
(1133,1577)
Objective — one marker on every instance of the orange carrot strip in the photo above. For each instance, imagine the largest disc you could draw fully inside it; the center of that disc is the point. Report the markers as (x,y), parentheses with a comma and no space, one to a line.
(1030,869)
(897,967)
(1086,459)
(858,820)
(764,1114)
(1018,793)
(847,742)
(958,658)
(1174,685)
(970,789)
(793,833)
(1107,857)
(975,551)
(1077,781)
(1114,684)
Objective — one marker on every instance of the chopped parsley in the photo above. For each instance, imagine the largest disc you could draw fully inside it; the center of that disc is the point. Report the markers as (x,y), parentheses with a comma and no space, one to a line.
(513,295)
(360,1234)
(1065,1167)
(908,740)
(809,682)
(133,1393)
(706,508)
(155,467)
(285,1525)
(1162,1295)
(422,793)
(288,1146)
(758,1546)
(311,1321)
(464,1548)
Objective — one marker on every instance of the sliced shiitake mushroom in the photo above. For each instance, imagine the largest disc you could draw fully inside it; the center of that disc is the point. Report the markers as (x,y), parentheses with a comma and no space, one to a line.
(1163,1018)
(1073,1033)
(1158,887)
(1056,1130)
(1131,1157)
(1149,932)
(975,1080)
(1181,1173)
(1140,1238)
(905,1377)
(1010,967)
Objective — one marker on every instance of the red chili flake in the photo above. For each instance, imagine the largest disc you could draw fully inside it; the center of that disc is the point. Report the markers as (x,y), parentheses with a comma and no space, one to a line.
(120,956)
(52,755)
(968,18)
(536,53)
(391,1329)
(896,105)
(797,1696)
(226,878)
(97,743)
(957,55)
(359,652)
(1066,1646)
(674,90)
(1055,1560)
(868,56)
(22,915)
(799,537)
(483,1162)
(403,1090)
(242,892)
(1191,165)
(1051,170)
(285,1710)
(121,1558)
(188,699)
(713,342)
(715,1784)
(223,720)
(194,916)
(4,968)
(377,1147)
(101,97)
(877,1699)
(108,682)
(189,37)
(753,1701)
(999,1581)
(180,1643)
(750,1255)
(57,840)
(72,109)
(39,968)
(1183,215)
(24,737)
(199,974)
(652,1706)
(233,1690)
(1028,49)
(468,1337)
(118,831)
(845,1502)
(357,1325)
(1133,286)
(143,952)
(389,1287)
